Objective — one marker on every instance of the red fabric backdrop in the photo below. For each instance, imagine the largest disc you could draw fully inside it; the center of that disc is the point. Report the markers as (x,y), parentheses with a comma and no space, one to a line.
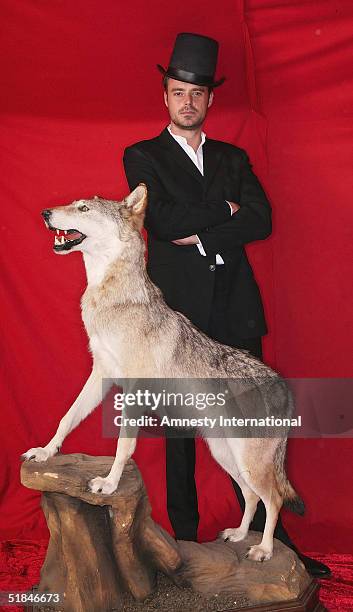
(79,84)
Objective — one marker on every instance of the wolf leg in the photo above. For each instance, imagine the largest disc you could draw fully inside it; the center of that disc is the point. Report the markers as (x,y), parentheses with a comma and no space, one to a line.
(221,450)
(125,448)
(251,501)
(86,402)
(273,502)
(259,477)
(261,480)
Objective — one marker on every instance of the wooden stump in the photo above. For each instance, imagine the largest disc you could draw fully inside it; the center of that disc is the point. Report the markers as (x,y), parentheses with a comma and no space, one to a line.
(100,545)
(105,550)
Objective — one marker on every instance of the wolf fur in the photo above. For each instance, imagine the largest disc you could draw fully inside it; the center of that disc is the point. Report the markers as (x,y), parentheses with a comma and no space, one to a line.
(134,334)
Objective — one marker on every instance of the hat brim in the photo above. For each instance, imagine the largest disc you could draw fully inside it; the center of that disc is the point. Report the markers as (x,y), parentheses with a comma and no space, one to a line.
(189,77)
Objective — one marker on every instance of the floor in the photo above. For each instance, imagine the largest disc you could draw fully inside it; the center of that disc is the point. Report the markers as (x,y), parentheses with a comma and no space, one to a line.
(21,560)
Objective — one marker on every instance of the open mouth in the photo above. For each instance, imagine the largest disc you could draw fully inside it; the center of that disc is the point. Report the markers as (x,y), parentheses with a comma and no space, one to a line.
(64,240)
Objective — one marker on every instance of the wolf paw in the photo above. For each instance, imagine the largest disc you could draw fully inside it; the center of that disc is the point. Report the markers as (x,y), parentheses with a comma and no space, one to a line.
(37,454)
(234,535)
(258,553)
(102,485)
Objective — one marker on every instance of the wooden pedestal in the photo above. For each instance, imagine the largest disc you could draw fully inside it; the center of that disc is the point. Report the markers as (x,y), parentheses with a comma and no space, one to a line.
(105,551)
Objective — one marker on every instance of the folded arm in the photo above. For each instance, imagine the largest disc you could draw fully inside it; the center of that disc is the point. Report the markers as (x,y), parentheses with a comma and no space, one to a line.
(165,218)
(251,222)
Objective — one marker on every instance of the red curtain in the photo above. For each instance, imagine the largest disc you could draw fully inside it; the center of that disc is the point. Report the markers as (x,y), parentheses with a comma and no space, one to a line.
(79,84)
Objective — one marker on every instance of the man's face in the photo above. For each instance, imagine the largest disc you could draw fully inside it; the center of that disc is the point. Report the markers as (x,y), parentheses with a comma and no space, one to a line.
(187,103)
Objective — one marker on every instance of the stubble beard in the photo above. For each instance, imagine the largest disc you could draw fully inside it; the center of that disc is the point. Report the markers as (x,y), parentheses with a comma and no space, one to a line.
(188,126)
(185,125)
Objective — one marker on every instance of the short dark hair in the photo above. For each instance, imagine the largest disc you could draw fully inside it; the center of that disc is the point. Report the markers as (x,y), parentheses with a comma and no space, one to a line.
(166,78)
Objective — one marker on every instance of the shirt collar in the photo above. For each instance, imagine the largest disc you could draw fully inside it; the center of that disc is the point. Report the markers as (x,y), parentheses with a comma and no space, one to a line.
(182,140)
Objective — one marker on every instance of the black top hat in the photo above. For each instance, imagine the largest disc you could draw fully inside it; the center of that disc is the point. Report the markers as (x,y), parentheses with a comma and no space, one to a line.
(193,60)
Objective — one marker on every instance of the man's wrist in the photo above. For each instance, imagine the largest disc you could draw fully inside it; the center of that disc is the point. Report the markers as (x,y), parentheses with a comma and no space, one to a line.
(234,207)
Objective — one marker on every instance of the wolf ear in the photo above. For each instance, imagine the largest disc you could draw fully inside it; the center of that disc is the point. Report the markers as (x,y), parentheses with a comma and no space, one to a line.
(136,202)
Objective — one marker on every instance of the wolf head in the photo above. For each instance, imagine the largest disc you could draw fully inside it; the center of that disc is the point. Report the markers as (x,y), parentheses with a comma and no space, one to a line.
(95,225)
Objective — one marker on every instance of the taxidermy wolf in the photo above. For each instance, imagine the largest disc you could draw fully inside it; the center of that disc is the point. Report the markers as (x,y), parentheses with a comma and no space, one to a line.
(134,334)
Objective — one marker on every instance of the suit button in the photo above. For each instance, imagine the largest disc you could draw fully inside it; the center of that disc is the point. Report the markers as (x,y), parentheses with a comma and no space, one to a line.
(212,267)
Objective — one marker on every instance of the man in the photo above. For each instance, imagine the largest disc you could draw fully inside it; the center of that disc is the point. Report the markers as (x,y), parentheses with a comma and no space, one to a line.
(204,205)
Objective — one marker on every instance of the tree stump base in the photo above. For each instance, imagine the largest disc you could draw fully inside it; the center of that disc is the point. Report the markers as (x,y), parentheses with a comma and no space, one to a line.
(105,551)
(100,545)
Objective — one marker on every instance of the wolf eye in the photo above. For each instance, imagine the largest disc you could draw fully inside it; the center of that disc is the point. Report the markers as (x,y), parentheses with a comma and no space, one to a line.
(83,208)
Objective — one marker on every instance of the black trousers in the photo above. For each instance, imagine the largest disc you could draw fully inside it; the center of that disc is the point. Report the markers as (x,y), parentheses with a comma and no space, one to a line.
(180,452)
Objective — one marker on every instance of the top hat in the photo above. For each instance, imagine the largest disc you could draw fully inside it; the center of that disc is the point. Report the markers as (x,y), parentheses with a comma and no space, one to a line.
(193,60)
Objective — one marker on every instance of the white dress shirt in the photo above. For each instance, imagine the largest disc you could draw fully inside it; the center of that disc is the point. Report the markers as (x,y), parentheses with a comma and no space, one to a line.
(197,158)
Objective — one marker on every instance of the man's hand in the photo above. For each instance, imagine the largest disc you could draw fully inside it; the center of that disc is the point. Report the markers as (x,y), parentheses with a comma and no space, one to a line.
(235,207)
(189,240)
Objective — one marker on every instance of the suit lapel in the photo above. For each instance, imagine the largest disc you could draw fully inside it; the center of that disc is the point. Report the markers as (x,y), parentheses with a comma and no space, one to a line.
(211,159)
(179,156)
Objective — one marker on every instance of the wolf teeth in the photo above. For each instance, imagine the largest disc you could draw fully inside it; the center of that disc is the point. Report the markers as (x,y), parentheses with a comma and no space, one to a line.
(59,240)
(57,231)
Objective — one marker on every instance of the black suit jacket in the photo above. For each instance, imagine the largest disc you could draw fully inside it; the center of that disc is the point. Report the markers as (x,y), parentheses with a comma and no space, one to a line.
(182,202)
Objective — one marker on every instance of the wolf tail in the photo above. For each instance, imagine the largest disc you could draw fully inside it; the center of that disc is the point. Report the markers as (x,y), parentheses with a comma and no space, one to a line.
(291,498)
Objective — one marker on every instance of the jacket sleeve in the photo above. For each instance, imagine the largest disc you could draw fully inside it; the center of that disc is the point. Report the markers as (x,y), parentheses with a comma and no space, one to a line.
(251,222)
(167,219)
